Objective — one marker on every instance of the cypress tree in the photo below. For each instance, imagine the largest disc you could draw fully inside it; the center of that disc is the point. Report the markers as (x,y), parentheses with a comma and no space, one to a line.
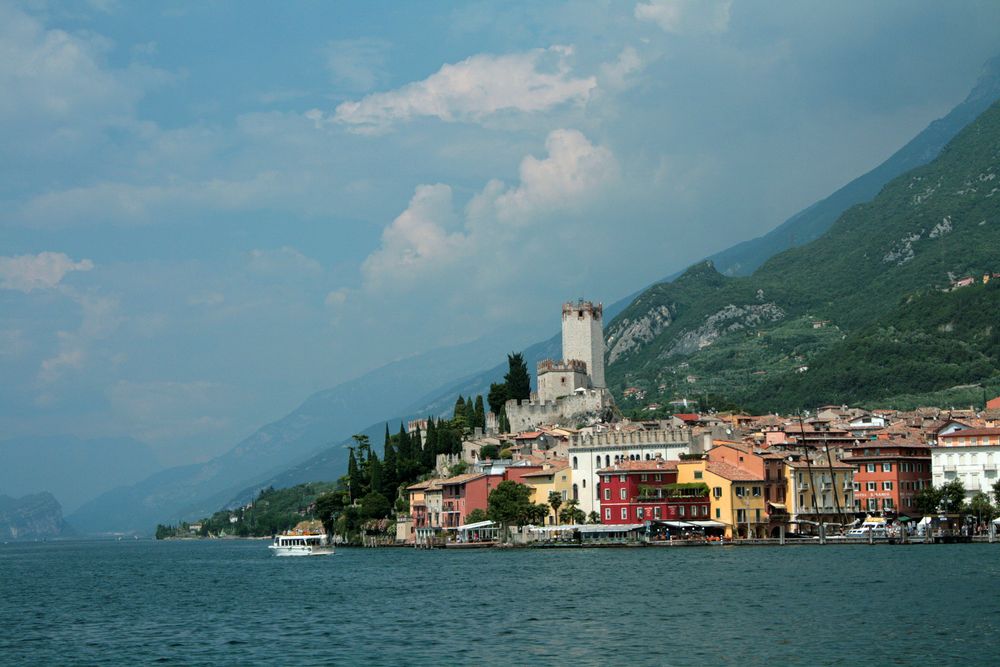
(502,424)
(517,379)
(405,455)
(374,474)
(480,414)
(390,478)
(353,475)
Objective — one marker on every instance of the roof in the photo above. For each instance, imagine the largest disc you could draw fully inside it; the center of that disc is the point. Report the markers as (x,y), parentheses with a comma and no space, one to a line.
(971,432)
(546,472)
(654,465)
(461,479)
(528,435)
(820,465)
(731,472)
(688,416)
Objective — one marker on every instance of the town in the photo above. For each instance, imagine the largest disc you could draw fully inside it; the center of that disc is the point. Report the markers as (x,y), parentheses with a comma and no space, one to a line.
(924,474)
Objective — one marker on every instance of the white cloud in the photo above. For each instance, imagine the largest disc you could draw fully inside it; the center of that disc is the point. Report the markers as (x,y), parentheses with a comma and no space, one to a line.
(617,74)
(337,297)
(358,64)
(100,319)
(687,16)
(45,270)
(284,260)
(477,87)
(430,239)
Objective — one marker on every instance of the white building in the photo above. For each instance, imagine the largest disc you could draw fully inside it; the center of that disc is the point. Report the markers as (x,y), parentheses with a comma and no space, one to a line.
(970,455)
(590,453)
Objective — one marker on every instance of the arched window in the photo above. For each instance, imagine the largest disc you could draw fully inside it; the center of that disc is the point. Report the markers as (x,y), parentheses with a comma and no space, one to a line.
(597,461)
(585,484)
(607,460)
(574,463)
(576,493)
(647,457)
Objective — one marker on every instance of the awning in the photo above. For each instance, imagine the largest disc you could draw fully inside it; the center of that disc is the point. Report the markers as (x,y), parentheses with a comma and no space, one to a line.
(709,524)
(478,524)
(611,528)
(553,529)
(778,506)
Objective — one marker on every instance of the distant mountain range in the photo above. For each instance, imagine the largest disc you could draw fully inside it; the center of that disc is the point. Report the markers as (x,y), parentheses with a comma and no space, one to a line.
(307,445)
(33,517)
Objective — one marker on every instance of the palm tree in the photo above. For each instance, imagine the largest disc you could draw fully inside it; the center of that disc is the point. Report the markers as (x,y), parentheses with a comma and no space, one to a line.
(570,513)
(555,501)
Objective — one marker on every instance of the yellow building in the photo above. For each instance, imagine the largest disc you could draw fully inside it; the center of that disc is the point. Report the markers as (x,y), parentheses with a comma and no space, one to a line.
(547,480)
(736,495)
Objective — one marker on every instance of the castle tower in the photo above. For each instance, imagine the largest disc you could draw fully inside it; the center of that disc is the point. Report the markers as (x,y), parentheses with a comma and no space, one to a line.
(583,337)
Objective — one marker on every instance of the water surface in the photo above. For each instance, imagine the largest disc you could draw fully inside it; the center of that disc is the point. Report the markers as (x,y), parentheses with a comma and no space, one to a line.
(231,602)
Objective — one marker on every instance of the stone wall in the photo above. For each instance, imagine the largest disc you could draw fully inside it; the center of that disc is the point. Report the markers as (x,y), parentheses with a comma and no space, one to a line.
(528,415)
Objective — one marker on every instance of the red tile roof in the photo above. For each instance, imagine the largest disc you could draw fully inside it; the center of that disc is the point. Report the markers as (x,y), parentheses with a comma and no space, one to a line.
(971,432)
(731,472)
(655,465)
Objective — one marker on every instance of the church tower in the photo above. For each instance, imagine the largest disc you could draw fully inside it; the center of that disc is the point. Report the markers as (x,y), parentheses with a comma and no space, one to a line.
(583,337)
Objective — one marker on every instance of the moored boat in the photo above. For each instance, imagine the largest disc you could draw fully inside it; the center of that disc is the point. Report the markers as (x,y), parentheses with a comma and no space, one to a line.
(306,539)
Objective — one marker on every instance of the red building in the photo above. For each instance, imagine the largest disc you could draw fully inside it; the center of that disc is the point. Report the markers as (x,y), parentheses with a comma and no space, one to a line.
(464,493)
(889,473)
(637,491)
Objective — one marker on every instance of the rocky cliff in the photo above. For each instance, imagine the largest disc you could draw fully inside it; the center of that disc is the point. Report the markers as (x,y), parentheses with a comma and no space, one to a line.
(33,517)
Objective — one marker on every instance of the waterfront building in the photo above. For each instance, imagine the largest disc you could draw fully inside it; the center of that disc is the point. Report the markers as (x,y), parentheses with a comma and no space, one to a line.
(763,464)
(814,495)
(426,510)
(970,455)
(588,453)
(462,494)
(639,491)
(736,496)
(544,481)
(888,475)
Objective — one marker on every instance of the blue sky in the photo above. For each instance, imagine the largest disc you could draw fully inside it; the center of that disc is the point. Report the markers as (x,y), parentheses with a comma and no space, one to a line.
(212,209)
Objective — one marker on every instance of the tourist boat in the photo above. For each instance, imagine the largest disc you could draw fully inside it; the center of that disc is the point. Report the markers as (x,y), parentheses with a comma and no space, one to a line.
(306,539)
(873,526)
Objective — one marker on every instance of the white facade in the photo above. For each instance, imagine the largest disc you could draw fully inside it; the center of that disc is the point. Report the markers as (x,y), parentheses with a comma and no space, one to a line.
(583,338)
(976,466)
(590,453)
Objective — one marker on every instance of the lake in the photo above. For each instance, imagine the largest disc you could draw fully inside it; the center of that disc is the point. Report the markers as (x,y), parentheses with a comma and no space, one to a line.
(232,602)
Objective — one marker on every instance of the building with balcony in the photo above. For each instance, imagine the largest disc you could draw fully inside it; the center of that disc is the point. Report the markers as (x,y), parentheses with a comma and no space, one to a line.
(638,491)
(818,491)
(970,455)
(736,496)
(888,475)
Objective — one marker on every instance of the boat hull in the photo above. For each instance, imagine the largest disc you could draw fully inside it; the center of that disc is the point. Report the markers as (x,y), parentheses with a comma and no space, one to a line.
(297,550)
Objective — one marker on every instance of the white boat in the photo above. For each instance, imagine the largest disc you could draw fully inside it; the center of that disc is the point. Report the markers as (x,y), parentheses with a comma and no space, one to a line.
(301,544)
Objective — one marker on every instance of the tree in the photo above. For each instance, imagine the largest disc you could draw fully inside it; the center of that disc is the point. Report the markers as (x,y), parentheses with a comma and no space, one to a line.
(374,473)
(328,508)
(497,396)
(489,452)
(517,379)
(354,482)
(593,518)
(460,416)
(537,514)
(927,500)
(476,515)
(953,497)
(996,491)
(390,480)
(374,506)
(508,504)
(980,507)
(503,424)
(572,513)
(555,501)
(479,414)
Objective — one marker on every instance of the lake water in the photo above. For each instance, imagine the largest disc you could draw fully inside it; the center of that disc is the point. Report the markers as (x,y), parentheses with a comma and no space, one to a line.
(231,602)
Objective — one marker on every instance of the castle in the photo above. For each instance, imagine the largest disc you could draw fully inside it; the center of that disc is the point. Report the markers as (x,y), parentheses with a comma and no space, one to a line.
(572,389)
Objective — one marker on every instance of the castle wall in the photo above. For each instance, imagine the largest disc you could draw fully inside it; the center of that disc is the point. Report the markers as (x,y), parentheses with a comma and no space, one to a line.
(555,383)
(528,415)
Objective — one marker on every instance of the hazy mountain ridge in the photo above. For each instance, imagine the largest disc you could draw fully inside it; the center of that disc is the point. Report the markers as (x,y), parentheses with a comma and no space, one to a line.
(33,517)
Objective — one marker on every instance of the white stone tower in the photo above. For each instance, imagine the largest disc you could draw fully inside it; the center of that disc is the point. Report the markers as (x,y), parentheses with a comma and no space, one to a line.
(583,337)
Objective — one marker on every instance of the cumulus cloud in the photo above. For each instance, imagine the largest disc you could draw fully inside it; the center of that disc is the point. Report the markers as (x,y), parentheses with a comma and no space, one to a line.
(687,16)
(616,74)
(431,238)
(337,297)
(101,317)
(45,270)
(477,87)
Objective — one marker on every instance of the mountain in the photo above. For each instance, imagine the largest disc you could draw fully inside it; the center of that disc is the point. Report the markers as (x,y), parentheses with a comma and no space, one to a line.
(325,418)
(835,320)
(75,470)
(744,258)
(33,517)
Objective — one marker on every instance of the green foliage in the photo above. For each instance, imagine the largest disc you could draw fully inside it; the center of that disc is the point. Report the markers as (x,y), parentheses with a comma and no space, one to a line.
(571,513)
(953,497)
(459,468)
(593,518)
(476,515)
(479,414)
(996,491)
(872,283)
(374,506)
(509,504)
(555,502)
(497,397)
(489,452)
(981,508)
(927,500)
(517,379)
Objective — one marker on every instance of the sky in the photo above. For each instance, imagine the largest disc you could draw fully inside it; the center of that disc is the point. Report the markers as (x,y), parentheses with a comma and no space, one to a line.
(211,209)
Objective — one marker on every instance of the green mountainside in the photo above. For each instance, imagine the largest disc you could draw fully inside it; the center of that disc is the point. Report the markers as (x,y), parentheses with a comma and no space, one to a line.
(835,320)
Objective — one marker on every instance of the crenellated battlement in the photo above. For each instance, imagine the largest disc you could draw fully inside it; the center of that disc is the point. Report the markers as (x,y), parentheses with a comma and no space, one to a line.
(631,438)
(565,366)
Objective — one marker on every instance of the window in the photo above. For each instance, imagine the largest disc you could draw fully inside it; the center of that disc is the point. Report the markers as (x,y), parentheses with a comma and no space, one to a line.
(739,491)
(717,492)
(624,514)
(607,494)
(607,479)
(718,513)
(887,503)
(871,467)
(574,463)
(584,482)
(645,477)
(886,467)
(857,486)
(756,492)
(621,478)
(658,477)
(697,474)
(741,516)
(657,512)
(871,486)
(872,504)
(680,510)
(640,513)
(607,513)
(621,493)
(887,486)
(757,515)
(597,461)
